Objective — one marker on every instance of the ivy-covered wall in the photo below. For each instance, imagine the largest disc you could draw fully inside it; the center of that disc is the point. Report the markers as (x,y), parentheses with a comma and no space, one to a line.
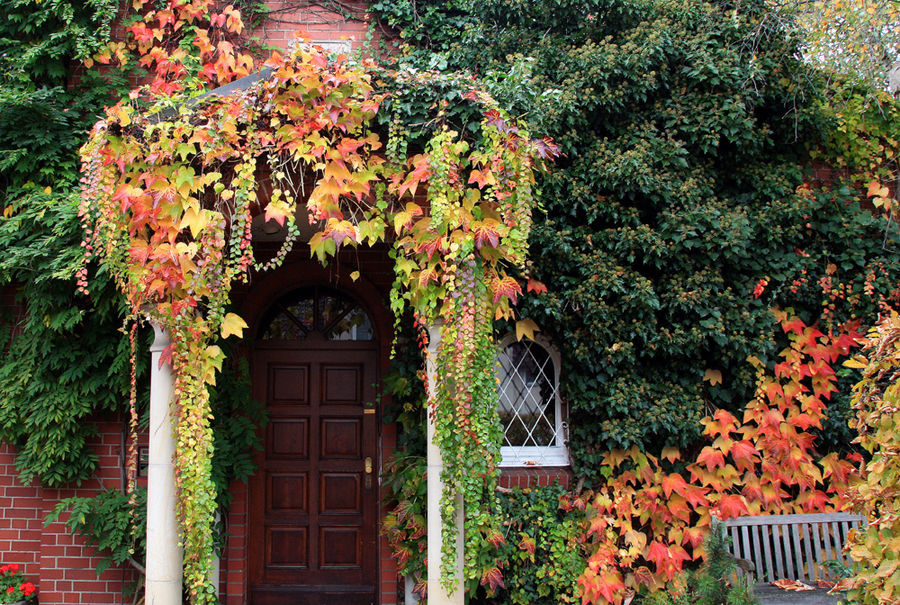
(679,214)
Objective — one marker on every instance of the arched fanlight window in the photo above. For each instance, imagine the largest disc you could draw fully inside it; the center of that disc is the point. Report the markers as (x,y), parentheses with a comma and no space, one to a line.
(316,313)
(530,405)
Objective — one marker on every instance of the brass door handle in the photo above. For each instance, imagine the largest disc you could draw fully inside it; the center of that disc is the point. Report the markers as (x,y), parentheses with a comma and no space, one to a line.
(368,467)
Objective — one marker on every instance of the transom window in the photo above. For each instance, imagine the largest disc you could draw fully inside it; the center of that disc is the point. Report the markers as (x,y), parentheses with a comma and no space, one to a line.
(530,405)
(316,313)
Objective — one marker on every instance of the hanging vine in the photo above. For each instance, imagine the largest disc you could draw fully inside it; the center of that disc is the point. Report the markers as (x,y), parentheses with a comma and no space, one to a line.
(170,195)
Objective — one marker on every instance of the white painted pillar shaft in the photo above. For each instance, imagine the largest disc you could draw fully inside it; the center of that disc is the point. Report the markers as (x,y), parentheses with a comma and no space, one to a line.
(437,594)
(164,554)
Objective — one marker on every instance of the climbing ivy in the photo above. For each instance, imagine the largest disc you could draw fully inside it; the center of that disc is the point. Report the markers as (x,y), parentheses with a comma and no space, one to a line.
(169,196)
(682,209)
(875,404)
(65,359)
(46,102)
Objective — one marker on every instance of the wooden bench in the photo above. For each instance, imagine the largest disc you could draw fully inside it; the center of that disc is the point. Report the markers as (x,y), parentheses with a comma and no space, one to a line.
(782,546)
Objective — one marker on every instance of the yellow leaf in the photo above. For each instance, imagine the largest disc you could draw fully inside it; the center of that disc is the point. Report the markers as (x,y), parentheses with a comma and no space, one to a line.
(400,220)
(193,218)
(526,327)
(714,377)
(47,190)
(875,188)
(233,324)
(124,118)
(671,453)
(354,276)
(857,362)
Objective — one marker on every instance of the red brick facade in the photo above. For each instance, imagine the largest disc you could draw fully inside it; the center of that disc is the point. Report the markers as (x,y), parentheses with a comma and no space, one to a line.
(61,565)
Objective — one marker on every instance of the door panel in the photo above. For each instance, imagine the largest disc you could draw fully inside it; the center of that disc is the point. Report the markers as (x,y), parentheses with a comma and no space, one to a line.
(313,507)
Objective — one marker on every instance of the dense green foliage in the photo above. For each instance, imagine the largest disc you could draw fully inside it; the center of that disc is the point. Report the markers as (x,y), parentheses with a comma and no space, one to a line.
(544,550)
(67,359)
(46,103)
(686,135)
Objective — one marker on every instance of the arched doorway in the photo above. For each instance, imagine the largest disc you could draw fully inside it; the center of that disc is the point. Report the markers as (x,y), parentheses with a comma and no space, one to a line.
(314,498)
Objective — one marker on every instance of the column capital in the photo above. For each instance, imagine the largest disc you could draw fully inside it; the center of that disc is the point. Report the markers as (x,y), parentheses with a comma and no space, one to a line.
(161,338)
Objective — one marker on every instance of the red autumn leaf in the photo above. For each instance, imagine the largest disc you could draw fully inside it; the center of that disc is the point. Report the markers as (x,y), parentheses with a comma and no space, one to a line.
(536,286)
(696,495)
(731,506)
(668,559)
(429,246)
(711,458)
(795,325)
(419,173)
(693,536)
(744,454)
(493,579)
(482,178)
(837,468)
(506,287)
(673,483)
(486,231)
(774,391)
(527,544)
(722,423)
(658,554)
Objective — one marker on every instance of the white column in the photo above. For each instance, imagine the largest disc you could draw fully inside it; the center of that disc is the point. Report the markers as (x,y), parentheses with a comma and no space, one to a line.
(437,595)
(164,555)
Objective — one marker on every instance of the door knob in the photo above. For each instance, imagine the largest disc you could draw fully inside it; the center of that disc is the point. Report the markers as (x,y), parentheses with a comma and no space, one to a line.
(368,466)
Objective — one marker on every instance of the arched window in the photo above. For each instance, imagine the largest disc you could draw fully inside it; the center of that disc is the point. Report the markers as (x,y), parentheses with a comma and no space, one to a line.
(530,405)
(316,313)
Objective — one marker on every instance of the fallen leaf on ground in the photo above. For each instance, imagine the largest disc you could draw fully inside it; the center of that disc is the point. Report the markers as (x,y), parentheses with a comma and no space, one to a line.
(792,585)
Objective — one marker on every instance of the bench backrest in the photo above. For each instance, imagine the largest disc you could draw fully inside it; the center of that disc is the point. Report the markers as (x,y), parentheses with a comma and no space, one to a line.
(792,546)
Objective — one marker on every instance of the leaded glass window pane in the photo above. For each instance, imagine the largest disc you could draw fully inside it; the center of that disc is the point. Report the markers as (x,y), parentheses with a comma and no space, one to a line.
(354,325)
(528,396)
(316,311)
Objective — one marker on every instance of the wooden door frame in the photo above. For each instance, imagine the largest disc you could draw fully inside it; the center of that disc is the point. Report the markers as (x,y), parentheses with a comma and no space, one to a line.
(303,273)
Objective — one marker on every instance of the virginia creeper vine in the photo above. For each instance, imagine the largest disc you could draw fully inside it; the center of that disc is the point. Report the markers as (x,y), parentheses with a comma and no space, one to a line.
(170,195)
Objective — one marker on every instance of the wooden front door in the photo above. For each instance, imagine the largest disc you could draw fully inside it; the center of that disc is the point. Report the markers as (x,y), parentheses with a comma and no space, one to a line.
(313,500)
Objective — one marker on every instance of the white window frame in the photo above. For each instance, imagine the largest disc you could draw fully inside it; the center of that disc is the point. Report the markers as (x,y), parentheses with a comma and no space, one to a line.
(538,456)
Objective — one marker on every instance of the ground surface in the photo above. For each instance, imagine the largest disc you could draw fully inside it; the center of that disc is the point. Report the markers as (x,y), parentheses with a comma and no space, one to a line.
(770,595)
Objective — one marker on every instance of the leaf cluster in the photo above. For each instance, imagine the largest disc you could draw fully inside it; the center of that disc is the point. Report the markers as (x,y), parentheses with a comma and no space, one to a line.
(46,105)
(652,518)
(65,358)
(875,402)
(685,133)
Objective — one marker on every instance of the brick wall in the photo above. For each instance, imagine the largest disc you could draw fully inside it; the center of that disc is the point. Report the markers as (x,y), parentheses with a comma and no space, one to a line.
(61,565)
(287,19)
(535,477)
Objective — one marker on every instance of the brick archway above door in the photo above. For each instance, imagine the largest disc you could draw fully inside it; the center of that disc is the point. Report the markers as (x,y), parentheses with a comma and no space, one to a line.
(312,526)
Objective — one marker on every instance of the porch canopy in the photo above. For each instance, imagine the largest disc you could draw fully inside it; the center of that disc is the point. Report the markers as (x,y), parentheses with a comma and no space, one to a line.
(336,153)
